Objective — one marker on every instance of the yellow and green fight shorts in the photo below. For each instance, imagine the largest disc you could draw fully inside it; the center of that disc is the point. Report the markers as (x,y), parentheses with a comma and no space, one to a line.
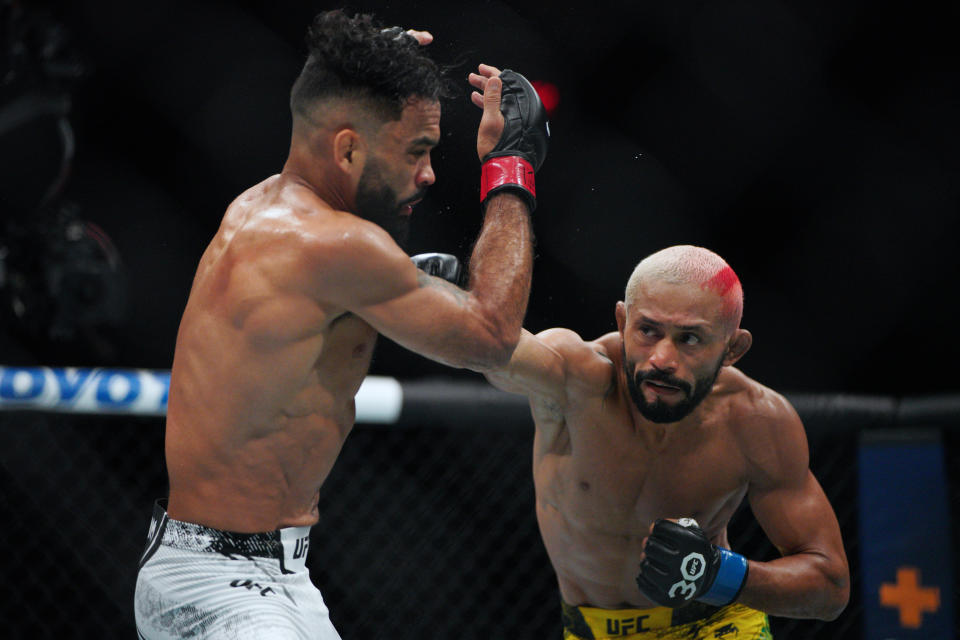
(695,621)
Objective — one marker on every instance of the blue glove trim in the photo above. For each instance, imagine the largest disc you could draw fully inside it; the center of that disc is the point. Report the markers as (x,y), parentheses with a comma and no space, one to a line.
(730,578)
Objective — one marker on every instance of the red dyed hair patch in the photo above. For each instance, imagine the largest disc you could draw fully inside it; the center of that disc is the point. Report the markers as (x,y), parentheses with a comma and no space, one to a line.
(722,282)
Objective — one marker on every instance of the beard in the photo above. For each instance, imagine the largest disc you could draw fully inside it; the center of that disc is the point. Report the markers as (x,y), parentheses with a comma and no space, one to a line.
(659,411)
(379,203)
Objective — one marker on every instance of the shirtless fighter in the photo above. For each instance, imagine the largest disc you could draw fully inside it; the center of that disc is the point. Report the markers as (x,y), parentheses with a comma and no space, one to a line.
(287,302)
(647,440)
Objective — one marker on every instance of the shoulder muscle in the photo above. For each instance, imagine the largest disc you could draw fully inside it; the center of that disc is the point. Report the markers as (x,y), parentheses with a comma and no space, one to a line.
(773,439)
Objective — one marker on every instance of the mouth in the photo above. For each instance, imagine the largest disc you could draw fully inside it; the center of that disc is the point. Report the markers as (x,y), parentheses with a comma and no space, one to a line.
(407,207)
(661,388)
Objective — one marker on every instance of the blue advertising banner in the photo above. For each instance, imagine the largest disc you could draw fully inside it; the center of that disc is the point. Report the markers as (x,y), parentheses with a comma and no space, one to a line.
(145,391)
(906,558)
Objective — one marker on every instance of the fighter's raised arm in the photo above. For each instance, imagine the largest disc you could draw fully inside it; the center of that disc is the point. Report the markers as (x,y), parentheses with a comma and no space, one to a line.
(478,327)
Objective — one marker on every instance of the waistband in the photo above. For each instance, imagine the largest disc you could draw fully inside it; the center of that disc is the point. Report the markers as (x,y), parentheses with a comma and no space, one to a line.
(289,546)
(593,622)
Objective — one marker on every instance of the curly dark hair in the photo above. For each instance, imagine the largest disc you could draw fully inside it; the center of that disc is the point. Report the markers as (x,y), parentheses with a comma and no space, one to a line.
(353,57)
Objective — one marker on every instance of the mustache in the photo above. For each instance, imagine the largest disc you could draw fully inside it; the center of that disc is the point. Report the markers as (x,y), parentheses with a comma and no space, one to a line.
(664,378)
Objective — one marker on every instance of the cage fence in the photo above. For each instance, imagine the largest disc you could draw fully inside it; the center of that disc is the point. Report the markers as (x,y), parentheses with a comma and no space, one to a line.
(426,531)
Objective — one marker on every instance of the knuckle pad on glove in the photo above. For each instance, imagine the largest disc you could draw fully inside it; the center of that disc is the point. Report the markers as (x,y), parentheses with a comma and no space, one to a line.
(526,132)
(654,567)
(439,265)
(657,548)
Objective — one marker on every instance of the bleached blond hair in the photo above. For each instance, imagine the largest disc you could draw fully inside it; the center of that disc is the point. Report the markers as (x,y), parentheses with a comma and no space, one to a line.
(687,264)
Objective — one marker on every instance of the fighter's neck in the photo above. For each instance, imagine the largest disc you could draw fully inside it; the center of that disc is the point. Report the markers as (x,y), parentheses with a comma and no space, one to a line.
(313,176)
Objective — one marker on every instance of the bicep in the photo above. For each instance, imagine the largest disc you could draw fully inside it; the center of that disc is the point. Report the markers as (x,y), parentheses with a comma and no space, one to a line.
(785,497)
(536,370)
(797,517)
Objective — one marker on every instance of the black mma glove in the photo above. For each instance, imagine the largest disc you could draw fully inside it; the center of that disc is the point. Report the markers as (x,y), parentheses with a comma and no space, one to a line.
(523,144)
(441,265)
(681,565)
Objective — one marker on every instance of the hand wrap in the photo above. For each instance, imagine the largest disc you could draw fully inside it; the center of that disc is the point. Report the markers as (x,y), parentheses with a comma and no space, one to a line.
(681,565)
(523,144)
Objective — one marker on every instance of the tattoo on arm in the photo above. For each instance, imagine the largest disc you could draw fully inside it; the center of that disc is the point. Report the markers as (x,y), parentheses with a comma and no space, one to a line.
(424,280)
(546,410)
(555,411)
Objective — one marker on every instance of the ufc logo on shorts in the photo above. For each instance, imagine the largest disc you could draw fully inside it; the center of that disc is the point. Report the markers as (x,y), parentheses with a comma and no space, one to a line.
(300,548)
(249,585)
(625,627)
(691,569)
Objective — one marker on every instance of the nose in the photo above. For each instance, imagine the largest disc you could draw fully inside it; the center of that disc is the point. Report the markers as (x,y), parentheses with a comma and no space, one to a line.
(664,356)
(426,177)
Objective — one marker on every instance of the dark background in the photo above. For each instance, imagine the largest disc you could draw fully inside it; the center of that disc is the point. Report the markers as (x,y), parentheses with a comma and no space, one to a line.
(811,143)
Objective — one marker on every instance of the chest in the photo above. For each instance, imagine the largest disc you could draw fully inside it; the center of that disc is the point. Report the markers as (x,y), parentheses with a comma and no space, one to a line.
(613,476)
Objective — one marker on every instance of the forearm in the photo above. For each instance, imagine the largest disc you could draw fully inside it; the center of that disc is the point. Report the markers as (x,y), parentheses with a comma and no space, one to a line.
(803,585)
(501,266)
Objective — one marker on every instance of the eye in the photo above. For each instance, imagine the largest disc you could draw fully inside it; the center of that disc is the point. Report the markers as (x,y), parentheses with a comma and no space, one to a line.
(690,339)
(647,330)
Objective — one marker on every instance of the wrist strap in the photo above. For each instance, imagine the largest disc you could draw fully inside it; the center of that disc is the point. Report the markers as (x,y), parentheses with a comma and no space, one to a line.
(729,581)
(505,172)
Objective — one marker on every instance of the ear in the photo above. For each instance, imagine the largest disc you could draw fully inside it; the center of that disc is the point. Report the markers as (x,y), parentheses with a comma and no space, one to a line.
(739,344)
(349,151)
(621,313)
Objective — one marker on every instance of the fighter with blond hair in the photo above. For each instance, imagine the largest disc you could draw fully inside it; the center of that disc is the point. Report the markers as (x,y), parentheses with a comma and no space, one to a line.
(647,440)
